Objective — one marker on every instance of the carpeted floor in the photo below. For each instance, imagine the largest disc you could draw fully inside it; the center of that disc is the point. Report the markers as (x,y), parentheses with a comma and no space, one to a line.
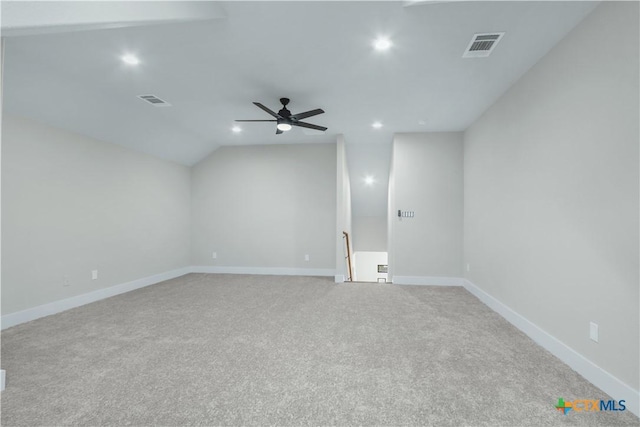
(266,350)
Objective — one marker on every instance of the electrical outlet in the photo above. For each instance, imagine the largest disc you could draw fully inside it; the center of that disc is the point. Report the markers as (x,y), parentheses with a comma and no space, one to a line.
(593,331)
(214,255)
(306,257)
(94,274)
(468,267)
(65,280)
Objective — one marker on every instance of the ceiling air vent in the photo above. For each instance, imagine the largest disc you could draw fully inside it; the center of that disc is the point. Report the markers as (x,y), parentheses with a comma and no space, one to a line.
(482,45)
(154,100)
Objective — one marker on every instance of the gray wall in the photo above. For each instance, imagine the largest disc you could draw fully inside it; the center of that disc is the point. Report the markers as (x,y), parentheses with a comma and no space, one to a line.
(391,219)
(365,159)
(265,206)
(551,192)
(427,178)
(343,209)
(370,233)
(71,204)
(1,119)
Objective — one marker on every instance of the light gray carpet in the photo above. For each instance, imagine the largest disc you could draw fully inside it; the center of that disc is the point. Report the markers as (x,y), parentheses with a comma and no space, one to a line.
(260,350)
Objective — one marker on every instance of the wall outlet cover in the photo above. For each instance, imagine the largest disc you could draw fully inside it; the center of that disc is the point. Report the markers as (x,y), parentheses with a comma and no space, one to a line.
(593,331)
(94,274)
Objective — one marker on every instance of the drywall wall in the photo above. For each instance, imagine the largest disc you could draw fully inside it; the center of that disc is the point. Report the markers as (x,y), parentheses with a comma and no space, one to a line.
(366,266)
(391,218)
(1,115)
(343,211)
(369,164)
(71,204)
(266,206)
(370,233)
(551,192)
(427,179)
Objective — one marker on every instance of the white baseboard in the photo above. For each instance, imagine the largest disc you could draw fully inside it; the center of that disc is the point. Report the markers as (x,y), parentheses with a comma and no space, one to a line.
(269,271)
(34,313)
(338,278)
(427,280)
(589,370)
(593,373)
(3,379)
(27,315)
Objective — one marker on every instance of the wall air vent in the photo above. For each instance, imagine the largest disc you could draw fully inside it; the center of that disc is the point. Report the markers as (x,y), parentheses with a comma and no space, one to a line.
(482,45)
(154,100)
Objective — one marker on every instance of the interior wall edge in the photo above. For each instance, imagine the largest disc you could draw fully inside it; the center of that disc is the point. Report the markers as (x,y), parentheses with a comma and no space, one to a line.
(37,312)
(576,361)
(33,313)
(427,280)
(266,271)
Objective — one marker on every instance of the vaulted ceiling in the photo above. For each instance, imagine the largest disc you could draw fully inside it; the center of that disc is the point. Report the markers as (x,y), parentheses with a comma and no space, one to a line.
(210,68)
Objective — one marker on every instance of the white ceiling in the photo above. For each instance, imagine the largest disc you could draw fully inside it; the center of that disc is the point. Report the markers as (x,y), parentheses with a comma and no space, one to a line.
(319,54)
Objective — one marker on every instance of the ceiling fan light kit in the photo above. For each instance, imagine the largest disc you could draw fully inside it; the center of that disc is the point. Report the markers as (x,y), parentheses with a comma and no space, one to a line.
(283,126)
(285,120)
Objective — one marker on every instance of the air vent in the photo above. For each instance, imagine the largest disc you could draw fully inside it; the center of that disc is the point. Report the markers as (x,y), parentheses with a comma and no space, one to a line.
(154,100)
(482,45)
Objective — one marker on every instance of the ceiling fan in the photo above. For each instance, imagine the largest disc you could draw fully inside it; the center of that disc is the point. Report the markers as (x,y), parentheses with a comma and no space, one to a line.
(285,120)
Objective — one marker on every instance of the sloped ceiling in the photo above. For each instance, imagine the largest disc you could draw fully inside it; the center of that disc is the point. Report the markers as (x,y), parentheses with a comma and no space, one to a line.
(319,54)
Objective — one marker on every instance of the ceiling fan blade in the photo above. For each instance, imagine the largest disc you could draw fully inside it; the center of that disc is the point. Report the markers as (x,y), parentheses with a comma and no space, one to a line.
(309,125)
(257,104)
(256,120)
(278,131)
(306,114)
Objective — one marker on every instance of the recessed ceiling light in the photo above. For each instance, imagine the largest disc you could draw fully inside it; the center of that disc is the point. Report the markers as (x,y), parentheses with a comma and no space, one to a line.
(130,59)
(236,129)
(376,125)
(382,43)
(369,180)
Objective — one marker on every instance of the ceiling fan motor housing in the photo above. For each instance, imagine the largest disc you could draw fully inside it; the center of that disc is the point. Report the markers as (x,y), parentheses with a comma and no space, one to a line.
(284,112)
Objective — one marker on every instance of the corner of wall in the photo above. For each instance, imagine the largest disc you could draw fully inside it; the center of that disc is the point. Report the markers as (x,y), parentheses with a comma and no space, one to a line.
(589,370)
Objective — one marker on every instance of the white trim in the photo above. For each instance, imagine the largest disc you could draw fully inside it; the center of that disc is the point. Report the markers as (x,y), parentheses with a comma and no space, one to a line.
(338,278)
(33,313)
(269,271)
(3,376)
(427,280)
(29,314)
(589,370)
